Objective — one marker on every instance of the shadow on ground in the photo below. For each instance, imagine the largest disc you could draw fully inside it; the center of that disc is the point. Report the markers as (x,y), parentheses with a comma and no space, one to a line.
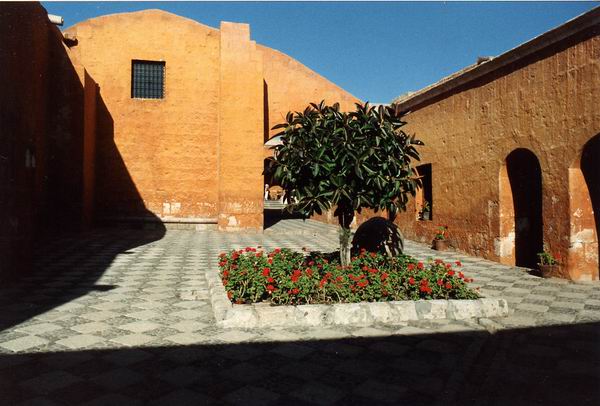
(85,260)
(274,216)
(548,365)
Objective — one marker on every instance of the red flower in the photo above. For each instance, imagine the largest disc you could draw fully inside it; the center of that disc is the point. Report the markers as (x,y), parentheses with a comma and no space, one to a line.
(440,282)
(294,278)
(365,268)
(266,271)
(450,273)
(411,280)
(363,284)
(270,261)
(277,250)
(229,295)
(439,261)
(373,255)
(259,254)
(222,263)
(384,276)
(461,275)
(373,270)
(448,266)
(339,279)
(423,288)
(225,274)
(248,249)
(420,265)
(309,271)
(448,285)
(311,263)
(270,280)
(411,267)
(458,263)
(270,288)
(297,273)
(328,275)
(322,283)
(225,281)
(294,291)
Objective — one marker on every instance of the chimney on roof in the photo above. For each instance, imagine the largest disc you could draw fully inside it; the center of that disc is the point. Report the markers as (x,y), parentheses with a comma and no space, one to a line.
(54,19)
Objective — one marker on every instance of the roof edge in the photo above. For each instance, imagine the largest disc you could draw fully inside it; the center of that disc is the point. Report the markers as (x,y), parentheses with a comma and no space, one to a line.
(473,72)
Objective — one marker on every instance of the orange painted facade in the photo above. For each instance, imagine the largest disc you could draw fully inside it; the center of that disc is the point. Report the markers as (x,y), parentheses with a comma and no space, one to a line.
(544,102)
(196,154)
(527,130)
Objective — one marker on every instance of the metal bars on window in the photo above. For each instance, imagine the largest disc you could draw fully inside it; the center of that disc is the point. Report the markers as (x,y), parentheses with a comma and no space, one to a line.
(147,79)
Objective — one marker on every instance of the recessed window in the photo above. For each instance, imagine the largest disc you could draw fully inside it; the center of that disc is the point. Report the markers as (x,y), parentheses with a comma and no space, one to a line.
(147,79)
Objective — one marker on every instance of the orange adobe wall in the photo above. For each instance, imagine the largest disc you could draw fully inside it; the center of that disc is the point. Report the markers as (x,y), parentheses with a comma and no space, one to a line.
(197,154)
(291,86)
(241,133)
(545,104)
(167,146)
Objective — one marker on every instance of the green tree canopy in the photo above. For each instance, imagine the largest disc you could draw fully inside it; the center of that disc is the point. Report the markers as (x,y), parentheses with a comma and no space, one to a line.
(352,161)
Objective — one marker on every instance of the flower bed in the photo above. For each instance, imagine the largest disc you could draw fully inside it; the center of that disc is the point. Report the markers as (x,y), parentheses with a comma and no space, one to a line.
(285,277)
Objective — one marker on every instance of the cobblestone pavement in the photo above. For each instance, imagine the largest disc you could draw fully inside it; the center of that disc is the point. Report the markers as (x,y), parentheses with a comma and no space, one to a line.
(104,322)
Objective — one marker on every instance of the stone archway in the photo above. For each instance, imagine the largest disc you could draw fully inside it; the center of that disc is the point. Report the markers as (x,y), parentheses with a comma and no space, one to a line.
(584,212)
(521,224)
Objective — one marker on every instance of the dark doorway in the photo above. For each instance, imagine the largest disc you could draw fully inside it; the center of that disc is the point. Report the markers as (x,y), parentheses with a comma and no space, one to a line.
(525,177)
(590,167)
(424,172)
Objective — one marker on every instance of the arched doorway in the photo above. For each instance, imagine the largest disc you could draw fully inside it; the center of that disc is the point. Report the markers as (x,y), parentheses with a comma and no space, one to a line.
(584,210)
(521,224)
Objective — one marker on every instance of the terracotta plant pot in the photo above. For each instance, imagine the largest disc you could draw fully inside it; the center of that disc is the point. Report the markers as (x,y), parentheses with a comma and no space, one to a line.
(549,271)
(440,245)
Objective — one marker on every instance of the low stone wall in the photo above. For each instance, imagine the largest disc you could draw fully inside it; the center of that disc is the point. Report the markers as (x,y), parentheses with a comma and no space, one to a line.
(349,314)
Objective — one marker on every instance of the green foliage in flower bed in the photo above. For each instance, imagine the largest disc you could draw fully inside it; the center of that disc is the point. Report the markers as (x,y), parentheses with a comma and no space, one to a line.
(283,276)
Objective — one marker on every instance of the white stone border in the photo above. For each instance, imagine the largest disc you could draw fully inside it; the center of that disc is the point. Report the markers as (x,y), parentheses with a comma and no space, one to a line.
(347,314)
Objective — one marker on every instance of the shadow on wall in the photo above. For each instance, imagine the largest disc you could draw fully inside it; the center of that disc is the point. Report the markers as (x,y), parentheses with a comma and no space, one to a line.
(81,263)
(41,202)
(547,366)
(116,196)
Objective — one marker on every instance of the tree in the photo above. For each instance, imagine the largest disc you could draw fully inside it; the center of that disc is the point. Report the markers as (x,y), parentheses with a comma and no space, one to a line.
(352,161)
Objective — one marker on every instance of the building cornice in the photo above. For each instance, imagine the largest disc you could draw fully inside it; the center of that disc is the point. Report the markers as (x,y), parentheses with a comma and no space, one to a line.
(476,71)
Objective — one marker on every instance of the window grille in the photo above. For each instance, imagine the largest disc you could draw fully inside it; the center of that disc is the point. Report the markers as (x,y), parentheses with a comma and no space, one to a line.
(147,79)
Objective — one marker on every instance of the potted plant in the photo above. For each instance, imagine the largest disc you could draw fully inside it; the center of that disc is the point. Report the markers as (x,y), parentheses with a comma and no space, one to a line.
(549,264)
(440,241)
(425,211)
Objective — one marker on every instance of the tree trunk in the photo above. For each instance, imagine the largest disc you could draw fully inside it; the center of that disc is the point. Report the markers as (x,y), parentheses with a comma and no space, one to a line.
(345,218)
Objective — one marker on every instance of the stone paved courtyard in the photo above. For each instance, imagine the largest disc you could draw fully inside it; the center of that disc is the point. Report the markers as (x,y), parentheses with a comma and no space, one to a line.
(104,321)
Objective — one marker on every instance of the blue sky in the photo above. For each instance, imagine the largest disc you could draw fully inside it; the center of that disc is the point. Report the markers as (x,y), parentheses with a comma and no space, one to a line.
(376,51)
